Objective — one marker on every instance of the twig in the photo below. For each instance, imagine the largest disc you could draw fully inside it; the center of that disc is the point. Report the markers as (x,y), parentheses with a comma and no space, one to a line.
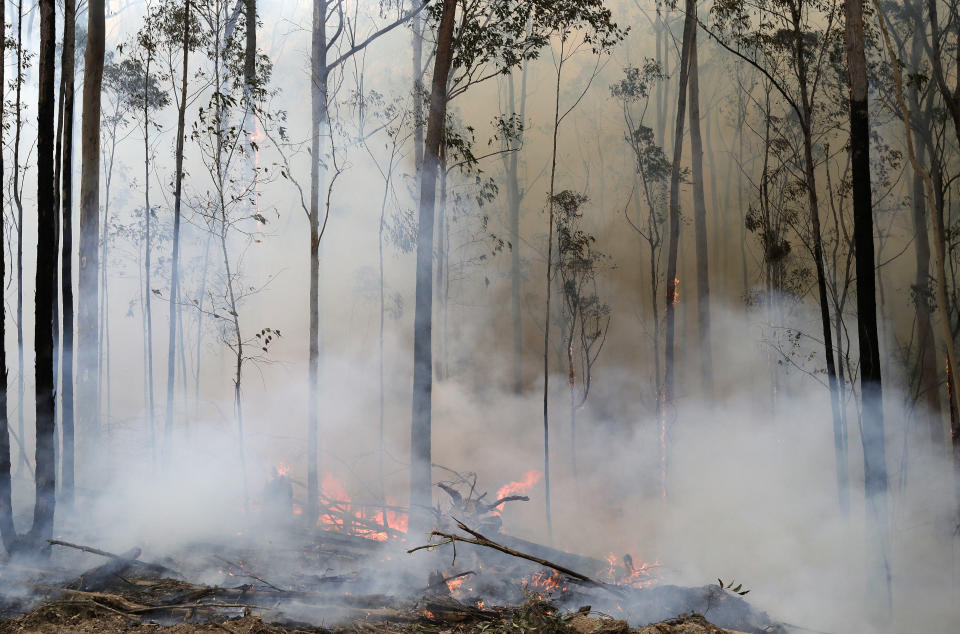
(248,574)
(480,540)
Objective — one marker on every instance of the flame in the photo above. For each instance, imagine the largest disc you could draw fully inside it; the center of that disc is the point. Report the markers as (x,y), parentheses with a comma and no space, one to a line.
(480,604)
(454,584)
(521,486)
(676,291)
(281,470)
(429,614)
(340,513)
(636,575)
(546,582)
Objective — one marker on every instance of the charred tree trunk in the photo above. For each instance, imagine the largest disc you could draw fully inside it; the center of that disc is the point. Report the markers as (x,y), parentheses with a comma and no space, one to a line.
(421,481)
(18,200)
(871,428)
(89,415)
(46,281)
(250,54)
(177,202)
(7,532)
(673,240)
(66,261)
(700,224)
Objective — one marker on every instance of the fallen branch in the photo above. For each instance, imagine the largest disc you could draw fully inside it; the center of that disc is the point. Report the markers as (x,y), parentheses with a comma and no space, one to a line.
(480,540)
(103,553)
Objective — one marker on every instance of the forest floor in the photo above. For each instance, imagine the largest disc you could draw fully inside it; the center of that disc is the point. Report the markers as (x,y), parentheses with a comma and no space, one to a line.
(82,617)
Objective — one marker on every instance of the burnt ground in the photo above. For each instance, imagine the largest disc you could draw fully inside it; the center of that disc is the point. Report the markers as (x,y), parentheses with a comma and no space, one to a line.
(87,616)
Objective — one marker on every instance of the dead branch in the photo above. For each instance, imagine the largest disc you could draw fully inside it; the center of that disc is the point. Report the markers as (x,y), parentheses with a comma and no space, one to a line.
(480,540)
(103,553)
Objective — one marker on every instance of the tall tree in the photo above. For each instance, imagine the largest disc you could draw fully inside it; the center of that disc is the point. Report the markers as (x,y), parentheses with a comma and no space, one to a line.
(7,531)
(673,240)
(87,317)
(177,204)
(871,390)
(420,430)
(66,259)
(46,280)
(700,220)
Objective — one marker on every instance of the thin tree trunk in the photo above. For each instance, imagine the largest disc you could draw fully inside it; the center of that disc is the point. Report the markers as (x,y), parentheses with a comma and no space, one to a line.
(806,125)
(689,25)
(421,481)
(46,280)
(700,223)
(148,290)
(177,201)
(18,199)
(89,415)
(871,427)
(318,98)
(250,53)
(66,203)
(8,534)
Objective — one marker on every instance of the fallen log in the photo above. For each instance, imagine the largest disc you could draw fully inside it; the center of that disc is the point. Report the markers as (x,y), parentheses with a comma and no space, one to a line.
(134,561)
(480,540)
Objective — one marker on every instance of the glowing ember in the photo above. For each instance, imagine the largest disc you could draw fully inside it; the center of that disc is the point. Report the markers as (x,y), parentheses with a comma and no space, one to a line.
(454,584)
(429,614)
(631,574)
(545,583)
(282,470)
(375,522)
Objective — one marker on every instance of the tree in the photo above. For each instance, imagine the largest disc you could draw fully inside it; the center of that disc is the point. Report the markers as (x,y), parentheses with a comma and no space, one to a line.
(776,43)
(871,389)
(87,317)
(66,203)
(7,530)
(46,279)
(587,319)
(178,193)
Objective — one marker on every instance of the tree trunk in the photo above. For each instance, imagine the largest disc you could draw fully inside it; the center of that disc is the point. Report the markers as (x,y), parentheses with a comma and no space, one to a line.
(7,531)
(318,100)
(250,54)
(700,224)
(18,200)
(177,201)
(46,281)
(871,427)
(806,124)
(89,415)
(66,203)
(420,430)
(147,290)
(689,26)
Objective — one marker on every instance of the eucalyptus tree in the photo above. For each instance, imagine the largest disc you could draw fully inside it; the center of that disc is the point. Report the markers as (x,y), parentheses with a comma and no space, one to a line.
(650,190)
(587,318)
(87,291)
(791,48)
(477,40)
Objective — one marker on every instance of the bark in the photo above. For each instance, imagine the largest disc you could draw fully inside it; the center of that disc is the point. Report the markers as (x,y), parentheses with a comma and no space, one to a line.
(951,97)
(928,387)
(700,223)
(88,412)
(420,429)
(417,39)
(318,97)
(250,54)
(46,280)
(7,532)
(18,200)
(871,427)
(689,25)
(177,202)
(66,204)
(147,289)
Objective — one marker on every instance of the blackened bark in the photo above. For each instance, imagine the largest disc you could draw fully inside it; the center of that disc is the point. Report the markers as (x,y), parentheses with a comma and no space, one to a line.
(420,429)
(673,240)
(88,413)
(46,280)
(66,260)
(871,428)
(700,223)
(7,532)
(250,55)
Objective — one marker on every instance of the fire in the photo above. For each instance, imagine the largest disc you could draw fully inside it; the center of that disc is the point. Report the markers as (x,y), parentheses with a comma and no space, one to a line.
(521,486)
(454,584)
(429,614)
(637,575)
(282,470)
(546,583)
(375,522)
